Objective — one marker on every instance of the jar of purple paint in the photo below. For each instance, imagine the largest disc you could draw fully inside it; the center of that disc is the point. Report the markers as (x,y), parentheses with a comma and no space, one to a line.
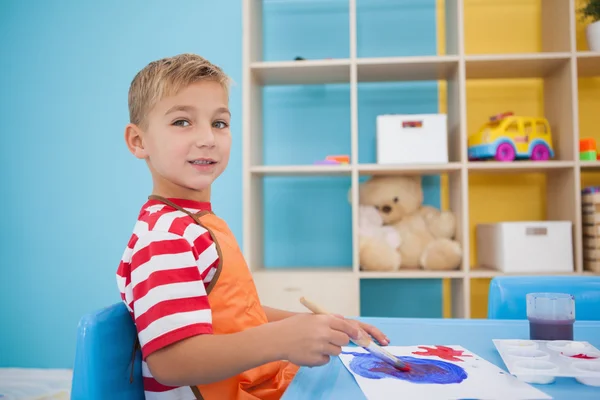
(551,316)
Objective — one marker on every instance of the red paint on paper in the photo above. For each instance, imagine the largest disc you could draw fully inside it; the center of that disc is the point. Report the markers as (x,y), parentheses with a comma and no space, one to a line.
(443,352)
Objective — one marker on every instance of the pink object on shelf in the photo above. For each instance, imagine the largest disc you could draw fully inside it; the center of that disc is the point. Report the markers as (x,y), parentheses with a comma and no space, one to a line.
(326,162)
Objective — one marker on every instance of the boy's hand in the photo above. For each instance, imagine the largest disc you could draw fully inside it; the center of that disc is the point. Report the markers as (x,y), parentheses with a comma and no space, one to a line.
(374,332)
(310,340)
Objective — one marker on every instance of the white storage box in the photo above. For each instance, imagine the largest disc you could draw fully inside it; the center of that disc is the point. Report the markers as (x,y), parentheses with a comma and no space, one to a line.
(526,247)
(412,139)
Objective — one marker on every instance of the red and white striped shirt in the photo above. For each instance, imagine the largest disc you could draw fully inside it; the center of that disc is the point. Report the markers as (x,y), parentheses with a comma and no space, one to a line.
(163,275)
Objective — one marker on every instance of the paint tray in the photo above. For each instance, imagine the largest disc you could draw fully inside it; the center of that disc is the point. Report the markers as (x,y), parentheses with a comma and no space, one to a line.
(542,361)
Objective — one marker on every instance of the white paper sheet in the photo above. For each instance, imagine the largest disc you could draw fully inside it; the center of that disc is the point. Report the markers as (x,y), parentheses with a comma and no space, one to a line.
(444,372)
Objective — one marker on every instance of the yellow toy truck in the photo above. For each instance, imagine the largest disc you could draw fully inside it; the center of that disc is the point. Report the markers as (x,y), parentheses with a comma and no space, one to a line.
(506,137)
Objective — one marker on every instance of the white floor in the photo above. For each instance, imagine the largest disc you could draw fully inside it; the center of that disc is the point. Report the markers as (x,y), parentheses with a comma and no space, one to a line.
(35,384)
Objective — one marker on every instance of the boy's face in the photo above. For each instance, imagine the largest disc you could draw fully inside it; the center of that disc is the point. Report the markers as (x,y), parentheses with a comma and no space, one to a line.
(187,140)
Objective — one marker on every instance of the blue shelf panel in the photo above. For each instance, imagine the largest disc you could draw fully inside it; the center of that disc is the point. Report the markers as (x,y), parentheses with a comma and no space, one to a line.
(309,29)
(308,222)
(401,298)
(305,123)
(395,28)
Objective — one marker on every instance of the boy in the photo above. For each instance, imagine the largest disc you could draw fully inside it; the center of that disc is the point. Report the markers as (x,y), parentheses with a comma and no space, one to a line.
(201,328)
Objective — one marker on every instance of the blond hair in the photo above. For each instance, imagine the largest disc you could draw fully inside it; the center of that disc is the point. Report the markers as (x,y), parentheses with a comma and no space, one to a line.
(166,77)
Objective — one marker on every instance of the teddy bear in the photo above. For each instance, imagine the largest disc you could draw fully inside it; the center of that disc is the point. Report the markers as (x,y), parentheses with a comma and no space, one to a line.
(426,233)
(378,244)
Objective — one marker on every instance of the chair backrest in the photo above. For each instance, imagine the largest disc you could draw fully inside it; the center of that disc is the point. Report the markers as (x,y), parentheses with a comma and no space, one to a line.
(507,294)
(102,370)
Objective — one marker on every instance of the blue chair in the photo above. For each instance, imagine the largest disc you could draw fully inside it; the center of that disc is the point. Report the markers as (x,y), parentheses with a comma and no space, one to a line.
(506,298)
(103,356)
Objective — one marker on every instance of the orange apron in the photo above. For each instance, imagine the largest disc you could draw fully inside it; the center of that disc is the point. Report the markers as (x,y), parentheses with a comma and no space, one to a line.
(235,306)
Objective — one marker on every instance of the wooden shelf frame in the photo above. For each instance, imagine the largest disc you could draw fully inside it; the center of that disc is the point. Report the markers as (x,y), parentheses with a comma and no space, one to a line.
(558,64)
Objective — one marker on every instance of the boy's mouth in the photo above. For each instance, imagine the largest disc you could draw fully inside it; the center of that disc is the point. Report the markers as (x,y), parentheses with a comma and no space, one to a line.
(203,161)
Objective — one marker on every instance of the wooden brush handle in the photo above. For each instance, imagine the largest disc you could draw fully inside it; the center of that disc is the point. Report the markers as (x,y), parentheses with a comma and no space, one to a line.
(316,309)
(363,340)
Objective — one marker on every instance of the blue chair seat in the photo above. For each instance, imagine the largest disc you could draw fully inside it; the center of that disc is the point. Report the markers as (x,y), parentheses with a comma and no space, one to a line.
(103,356)
(507,294)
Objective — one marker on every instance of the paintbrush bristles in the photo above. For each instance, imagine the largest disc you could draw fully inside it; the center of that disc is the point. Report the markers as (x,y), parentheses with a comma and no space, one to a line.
(385,355)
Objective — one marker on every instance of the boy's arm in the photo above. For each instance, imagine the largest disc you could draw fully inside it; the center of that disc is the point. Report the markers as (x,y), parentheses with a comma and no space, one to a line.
(171,309)
(173,319)
(303,339)
(275,314)
(204,359)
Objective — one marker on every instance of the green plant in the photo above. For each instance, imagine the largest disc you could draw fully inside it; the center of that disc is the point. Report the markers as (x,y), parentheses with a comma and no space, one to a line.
(591,10)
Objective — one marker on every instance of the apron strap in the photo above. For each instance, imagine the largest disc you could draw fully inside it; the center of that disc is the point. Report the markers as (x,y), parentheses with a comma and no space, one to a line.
(196,218)
(175,206)
(136,346)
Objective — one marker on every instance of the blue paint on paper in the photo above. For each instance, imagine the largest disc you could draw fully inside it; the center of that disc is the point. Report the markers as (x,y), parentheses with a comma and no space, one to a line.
(426,371)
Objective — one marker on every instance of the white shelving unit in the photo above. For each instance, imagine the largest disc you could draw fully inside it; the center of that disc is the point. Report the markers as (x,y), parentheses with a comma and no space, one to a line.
(559,64)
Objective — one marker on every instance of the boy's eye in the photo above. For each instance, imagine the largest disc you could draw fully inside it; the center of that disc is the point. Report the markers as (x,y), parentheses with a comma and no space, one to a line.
(220,125)
(181,122)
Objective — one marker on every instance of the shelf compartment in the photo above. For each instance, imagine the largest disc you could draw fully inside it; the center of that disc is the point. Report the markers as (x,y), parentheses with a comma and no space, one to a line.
(590,220)
(403,297)
(307,222)
(517,26)
(424,94)
(588,64)
(302,124)
(386,28)
(548,196)
(384,169)
(301,170)
(288,29)
(305,72)
(517,166)
(588,99)
(441,190)
(506,66)
(551,97)
(406,68)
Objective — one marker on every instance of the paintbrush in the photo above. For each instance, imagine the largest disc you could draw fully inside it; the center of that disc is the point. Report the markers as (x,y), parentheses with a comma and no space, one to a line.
(363,341)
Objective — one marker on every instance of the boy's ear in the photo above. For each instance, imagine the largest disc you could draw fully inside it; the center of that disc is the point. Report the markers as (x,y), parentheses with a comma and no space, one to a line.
(134,141)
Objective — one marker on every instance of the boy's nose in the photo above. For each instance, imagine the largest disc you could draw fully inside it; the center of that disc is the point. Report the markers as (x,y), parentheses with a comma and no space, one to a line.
(205,137)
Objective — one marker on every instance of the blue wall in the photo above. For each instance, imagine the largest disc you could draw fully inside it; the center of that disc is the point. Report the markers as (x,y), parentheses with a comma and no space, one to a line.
(71,190)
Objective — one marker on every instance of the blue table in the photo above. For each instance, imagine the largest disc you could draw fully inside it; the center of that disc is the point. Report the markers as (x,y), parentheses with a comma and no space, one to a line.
(333,381)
